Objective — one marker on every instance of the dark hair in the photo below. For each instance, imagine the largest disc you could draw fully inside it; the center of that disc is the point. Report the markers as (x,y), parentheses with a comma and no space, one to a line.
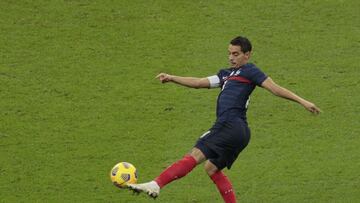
(243,42)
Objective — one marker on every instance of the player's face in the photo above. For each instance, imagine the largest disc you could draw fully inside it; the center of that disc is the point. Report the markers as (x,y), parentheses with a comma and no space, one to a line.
(236,57)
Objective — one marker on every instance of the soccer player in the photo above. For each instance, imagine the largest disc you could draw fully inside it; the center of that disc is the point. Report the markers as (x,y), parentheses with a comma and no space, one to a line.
(220,146)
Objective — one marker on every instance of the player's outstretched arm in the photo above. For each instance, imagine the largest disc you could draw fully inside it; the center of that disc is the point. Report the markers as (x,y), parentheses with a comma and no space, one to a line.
(277,90)
(192,82)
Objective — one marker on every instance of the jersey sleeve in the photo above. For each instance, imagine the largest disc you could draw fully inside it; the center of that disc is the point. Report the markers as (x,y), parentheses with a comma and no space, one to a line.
(257,76)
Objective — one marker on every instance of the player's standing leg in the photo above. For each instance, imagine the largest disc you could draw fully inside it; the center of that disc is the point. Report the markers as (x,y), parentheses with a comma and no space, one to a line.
(175,171)
(222,182)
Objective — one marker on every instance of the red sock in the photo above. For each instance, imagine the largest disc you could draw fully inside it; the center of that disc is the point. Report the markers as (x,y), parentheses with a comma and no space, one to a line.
(224,186)
(176,170)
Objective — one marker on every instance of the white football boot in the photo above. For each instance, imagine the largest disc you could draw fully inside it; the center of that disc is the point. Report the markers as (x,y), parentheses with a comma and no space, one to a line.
(150,188)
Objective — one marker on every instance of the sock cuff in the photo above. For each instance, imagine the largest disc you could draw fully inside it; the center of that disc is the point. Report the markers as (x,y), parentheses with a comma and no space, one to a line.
(217,176)
(158,182)
(190,158)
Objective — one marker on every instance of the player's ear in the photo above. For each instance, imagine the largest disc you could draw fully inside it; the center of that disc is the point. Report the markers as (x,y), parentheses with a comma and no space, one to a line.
(247,54)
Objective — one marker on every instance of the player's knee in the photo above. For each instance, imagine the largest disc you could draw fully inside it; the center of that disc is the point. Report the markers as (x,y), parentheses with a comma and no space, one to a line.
(210,168)
(198,155)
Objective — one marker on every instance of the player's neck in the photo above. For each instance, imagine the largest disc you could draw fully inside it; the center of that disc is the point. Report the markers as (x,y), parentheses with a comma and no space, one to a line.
(241,66)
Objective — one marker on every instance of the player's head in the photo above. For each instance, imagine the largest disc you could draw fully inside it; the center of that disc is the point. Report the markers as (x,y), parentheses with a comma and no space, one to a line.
(239,51)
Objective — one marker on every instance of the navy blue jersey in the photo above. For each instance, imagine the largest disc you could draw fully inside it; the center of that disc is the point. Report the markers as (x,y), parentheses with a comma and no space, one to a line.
(237,84)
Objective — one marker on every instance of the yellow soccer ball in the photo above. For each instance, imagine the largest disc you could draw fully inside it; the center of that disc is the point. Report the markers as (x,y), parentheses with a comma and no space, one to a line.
(122,174)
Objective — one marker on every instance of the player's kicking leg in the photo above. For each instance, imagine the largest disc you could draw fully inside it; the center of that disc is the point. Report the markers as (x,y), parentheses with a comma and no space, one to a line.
(175,171)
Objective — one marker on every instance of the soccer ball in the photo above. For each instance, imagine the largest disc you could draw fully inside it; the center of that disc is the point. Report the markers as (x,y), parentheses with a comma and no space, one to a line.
(122,174)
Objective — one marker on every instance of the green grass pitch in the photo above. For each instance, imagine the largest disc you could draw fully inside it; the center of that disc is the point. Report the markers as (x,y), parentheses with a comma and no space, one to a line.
(78,95)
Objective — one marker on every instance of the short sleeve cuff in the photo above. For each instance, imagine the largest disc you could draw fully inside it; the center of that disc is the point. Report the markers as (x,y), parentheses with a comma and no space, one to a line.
(262,80)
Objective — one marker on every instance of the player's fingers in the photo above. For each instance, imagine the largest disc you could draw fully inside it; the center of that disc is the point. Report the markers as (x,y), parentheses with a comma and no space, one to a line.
(161,75)
(318,110)
(309,108)
(158,75)
(315,110)
(163,78)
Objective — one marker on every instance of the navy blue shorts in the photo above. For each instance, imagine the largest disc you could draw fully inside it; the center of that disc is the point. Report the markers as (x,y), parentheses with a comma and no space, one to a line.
(223,142)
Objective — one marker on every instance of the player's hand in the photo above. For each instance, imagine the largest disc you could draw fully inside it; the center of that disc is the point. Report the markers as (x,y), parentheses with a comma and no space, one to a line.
(163,77)
(311,107)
